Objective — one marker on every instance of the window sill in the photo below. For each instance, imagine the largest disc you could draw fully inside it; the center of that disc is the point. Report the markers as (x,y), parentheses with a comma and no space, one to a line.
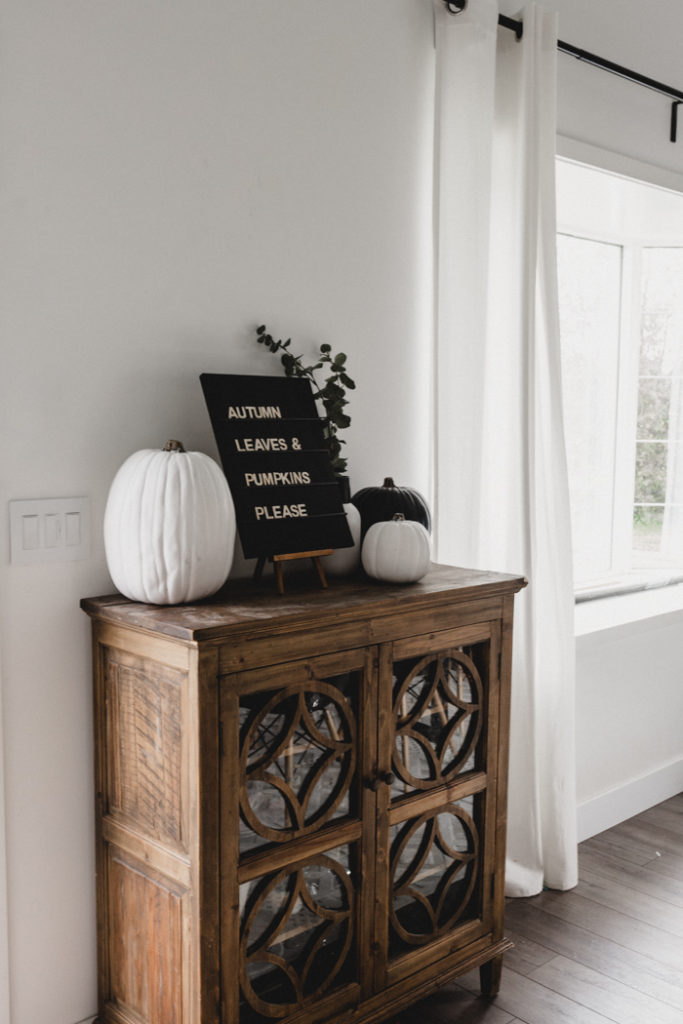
(625,601)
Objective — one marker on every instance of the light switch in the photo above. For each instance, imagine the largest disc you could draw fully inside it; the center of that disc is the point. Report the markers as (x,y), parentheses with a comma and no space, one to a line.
(53,529)
(49,530)
(30,535)
(72,533)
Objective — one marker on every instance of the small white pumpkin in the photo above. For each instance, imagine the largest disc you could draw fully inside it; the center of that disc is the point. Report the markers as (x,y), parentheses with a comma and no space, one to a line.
(396,551)
(169,526)
(344,561)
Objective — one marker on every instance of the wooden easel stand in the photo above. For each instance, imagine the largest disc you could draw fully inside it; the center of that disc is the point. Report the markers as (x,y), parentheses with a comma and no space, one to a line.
(277,561)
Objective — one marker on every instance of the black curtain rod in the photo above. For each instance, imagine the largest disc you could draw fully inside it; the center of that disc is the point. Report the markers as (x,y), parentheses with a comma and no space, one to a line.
(676,95)
(516,26)
(607,65)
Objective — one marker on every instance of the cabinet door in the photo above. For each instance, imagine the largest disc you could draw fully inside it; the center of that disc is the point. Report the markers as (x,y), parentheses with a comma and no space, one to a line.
(297,744)
(437,811)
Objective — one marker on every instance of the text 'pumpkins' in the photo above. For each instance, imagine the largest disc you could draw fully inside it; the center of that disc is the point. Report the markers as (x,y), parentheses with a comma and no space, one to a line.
(169,526)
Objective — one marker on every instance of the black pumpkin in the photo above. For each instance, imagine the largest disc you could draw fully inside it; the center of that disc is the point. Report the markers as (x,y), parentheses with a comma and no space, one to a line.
(379,505)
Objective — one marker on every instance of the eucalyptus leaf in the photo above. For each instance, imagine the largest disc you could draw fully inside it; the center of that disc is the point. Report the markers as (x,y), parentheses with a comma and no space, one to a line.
(331,393)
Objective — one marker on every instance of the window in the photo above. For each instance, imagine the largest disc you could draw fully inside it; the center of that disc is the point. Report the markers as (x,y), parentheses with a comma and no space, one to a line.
(620,268)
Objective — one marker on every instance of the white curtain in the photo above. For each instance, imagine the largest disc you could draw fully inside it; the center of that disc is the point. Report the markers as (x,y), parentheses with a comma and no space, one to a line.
(501,482)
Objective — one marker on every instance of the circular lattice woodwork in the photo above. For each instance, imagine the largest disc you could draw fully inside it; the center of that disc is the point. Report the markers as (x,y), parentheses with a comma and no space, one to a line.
(298,756)
(438,710)
(297,929)
(433,871)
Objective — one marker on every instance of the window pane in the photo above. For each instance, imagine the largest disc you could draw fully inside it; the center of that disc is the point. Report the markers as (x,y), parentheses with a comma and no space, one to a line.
(661,354)
(651,461)
(654,398)
(647,531)
(590,283)
(658,511)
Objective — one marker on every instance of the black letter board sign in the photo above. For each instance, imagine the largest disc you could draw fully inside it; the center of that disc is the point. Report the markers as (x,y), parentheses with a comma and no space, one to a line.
(270,439)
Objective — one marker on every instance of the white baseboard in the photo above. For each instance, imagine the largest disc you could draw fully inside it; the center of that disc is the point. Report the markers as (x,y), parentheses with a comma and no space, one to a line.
(618,805)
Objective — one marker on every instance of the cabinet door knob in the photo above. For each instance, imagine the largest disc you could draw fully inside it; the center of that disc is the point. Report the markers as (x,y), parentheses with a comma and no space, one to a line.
(373,782)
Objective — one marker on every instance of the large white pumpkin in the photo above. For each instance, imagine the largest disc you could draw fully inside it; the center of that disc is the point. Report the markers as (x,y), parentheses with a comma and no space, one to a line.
(396,551)
(169,526)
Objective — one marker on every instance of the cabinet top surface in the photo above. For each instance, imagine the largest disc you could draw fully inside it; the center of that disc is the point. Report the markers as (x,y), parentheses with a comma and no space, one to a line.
(245,604)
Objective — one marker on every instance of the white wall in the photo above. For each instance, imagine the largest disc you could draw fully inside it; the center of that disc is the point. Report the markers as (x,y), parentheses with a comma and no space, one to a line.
(4,930)
(628,722)
(173,175)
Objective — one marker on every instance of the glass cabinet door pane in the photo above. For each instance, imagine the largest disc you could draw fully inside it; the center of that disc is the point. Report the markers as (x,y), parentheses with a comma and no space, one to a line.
(298,758)
(298,934)
(435,873)
(438,712)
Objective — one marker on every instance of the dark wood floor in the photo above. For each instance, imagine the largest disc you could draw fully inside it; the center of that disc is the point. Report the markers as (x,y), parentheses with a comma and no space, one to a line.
(610,950)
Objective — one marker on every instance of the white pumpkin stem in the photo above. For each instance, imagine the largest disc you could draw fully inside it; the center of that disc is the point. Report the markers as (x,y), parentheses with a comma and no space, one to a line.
(173,446)
(398,517)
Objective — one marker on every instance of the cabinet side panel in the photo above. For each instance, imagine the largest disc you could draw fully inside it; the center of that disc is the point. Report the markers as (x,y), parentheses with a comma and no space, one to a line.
(146,944)
(144,743)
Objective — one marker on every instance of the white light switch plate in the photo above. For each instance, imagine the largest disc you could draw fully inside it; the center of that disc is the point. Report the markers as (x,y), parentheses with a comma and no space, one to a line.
(49,530)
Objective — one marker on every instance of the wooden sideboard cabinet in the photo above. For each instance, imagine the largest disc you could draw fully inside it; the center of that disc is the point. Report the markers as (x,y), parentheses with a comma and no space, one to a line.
(301,799)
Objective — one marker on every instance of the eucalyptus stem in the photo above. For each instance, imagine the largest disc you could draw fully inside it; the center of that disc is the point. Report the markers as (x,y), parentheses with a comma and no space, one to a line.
(331,393)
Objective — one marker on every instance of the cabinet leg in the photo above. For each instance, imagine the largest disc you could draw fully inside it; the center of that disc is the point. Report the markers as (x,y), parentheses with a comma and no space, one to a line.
(489,976)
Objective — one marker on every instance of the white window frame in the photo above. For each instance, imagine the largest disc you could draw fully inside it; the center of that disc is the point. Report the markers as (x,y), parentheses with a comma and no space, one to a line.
(625,604)
(622,576)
